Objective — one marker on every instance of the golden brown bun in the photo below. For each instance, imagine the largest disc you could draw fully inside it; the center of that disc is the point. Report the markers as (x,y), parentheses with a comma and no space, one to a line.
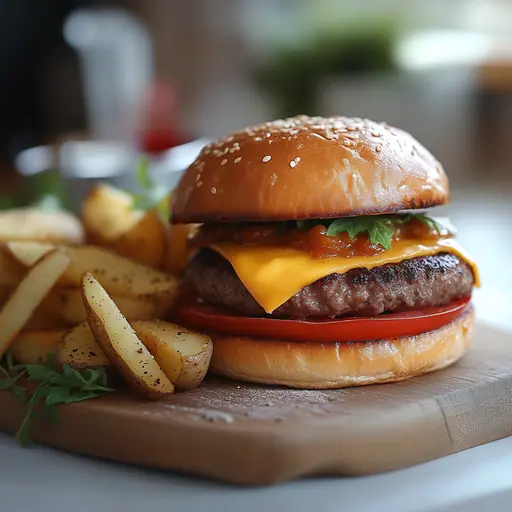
(311,365)
(309,167)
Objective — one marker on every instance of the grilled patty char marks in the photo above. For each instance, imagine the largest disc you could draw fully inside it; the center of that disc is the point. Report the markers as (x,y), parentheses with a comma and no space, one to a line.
(412,284)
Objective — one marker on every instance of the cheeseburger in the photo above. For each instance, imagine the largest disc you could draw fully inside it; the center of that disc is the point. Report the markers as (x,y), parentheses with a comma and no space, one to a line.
(315,264)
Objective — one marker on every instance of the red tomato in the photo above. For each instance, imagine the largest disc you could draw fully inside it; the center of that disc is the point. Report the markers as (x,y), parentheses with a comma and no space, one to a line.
(391,325)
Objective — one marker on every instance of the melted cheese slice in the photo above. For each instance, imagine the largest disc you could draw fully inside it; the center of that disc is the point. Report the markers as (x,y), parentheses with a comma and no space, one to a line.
(274,274)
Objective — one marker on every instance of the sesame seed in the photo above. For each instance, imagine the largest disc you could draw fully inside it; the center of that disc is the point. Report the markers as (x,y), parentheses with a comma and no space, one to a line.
(297,159)
(266,159)
(378,149)
(213,190)
(238,159)
(198,177)
(224,162)
(292,164)
(199,183)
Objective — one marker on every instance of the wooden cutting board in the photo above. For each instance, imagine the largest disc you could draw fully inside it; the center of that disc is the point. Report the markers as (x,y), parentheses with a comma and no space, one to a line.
(257,435)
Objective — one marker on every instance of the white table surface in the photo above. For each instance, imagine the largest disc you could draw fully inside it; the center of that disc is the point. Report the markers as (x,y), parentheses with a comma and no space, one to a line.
(42,479)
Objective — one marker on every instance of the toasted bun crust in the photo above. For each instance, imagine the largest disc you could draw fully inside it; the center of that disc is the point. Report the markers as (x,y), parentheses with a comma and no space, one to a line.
(309,167)
(311,365)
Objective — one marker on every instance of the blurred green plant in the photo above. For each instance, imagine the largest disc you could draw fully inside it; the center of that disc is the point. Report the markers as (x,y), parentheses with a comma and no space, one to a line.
(293,73)
(45,190)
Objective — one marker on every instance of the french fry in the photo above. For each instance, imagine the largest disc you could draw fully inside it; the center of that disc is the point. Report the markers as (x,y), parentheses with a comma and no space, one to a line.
(183,355)
(35,347)
(41,320)
(145,242)
(39,225)
(118,275)
(5,293)
(68,306)
(107,214)
(120,343)
(111,221)
(28,295)
(79,349)
(11,271)
(178,251)
(164,340)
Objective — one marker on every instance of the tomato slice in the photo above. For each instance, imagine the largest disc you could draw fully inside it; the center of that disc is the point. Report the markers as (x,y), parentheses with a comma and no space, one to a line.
(407,323)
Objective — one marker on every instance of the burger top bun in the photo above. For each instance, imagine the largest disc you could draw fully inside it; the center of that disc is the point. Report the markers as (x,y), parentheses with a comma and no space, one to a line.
(309,167)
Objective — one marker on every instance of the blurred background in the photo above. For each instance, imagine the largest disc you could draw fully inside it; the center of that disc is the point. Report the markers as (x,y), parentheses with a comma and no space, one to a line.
(86,86)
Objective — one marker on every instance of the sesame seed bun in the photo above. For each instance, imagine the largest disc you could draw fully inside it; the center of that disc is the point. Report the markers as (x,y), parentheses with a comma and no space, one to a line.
(309,167)
(311,365)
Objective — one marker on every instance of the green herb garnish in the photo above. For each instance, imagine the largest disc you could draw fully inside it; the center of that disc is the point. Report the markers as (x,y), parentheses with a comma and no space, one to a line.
(380,228)
(45,190)
(154,196)
(54,387)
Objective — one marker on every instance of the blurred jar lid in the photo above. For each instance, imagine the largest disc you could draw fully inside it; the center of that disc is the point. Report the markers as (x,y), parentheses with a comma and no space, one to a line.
(90,159)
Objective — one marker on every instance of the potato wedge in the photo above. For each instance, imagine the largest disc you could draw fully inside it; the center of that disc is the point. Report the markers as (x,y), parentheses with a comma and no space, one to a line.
(121,344)
(79,349)
(59,227)
(5,293)
(41,320)
(28,295)
(118,275)
(145,242)
(110,221)
(164,340)
(35,347)
(11,271)
(178,251)
(107,213)
(67,305)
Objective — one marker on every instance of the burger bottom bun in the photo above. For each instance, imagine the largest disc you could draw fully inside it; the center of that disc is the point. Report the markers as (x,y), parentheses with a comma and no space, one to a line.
(311,365)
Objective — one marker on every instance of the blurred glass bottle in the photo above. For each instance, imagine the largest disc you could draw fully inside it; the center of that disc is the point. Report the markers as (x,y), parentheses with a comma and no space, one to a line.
(116,58)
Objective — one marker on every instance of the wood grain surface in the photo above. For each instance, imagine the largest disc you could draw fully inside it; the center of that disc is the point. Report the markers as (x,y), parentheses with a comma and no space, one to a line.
(259,435)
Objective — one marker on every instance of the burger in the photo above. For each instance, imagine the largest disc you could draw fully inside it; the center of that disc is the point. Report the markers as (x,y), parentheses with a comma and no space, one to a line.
(315,263)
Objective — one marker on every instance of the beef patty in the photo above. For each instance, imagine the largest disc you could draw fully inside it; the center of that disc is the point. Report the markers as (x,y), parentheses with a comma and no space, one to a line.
(411,284)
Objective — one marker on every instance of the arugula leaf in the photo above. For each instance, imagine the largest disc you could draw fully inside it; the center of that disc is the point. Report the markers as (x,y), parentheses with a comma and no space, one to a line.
(55,387)
(305,225)
(154,196)
(45,190)
(381,233)
(7,202)
(142,173)
(20,394)
(431,223)
(380,228)
(23,432)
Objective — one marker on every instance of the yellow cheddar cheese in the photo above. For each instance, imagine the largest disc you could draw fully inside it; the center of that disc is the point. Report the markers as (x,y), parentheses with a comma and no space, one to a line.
(274,274)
